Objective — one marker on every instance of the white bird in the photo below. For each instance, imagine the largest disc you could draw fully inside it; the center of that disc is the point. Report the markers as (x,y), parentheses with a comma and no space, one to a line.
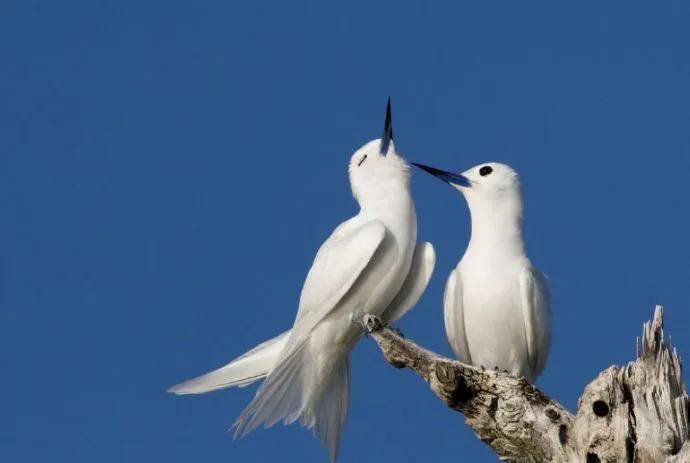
(496,304)
(370,264)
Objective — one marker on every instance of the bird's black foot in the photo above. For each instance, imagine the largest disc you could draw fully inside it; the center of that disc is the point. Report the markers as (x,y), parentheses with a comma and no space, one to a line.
(371,323)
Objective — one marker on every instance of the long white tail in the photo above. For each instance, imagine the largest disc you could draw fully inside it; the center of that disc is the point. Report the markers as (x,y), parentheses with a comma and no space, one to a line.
(244,370)
(297,390)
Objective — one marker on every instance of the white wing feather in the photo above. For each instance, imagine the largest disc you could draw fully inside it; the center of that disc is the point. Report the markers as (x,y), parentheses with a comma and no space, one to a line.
(423,262)
(243,371)
(287,393)
(338,264)
(534,291)
(454,317)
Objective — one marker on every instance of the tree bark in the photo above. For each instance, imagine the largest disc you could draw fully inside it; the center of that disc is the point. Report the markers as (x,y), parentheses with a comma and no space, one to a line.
(638,413)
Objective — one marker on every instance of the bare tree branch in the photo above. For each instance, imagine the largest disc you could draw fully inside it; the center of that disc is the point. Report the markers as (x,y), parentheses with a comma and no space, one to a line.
(638,413)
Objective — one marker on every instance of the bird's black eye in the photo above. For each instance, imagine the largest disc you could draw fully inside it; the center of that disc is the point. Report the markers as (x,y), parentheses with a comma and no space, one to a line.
(486,170)
(362,160)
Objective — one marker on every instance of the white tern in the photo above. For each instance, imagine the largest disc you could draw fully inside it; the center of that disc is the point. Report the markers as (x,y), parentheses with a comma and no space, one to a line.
(370,264)
(496,303)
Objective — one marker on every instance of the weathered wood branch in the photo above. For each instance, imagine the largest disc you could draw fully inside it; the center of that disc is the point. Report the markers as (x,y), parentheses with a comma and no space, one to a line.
(638,413)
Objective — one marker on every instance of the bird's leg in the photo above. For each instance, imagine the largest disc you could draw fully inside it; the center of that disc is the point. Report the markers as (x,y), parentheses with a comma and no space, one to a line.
(372,323)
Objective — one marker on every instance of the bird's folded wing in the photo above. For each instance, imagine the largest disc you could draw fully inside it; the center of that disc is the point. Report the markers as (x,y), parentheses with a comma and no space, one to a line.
(338,264)
(534,292)
(454,317)
(422,267)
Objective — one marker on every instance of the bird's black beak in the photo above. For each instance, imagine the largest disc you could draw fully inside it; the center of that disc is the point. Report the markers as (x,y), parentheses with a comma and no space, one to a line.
(449,177)
(387,130)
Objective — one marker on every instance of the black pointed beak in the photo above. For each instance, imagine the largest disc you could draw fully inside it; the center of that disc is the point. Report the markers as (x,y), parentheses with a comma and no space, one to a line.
(387,130)
(448,177)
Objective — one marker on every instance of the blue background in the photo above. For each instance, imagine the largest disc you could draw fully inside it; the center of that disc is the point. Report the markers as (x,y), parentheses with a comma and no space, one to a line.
(167,171)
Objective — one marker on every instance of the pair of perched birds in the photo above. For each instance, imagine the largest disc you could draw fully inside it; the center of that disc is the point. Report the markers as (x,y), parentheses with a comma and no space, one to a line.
(496,303)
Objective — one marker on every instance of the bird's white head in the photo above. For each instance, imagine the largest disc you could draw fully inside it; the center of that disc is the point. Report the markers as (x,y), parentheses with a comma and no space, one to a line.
(494,196)
(377,171)
(486,184)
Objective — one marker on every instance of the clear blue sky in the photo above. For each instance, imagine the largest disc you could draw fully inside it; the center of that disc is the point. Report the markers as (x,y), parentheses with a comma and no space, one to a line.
(167,171)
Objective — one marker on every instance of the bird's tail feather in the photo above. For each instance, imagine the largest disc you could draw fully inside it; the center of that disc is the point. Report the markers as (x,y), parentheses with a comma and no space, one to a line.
(289,394)
(331,411)
(244,370)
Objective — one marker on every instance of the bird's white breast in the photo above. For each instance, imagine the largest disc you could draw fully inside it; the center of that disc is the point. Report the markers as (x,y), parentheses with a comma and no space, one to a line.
(494,323)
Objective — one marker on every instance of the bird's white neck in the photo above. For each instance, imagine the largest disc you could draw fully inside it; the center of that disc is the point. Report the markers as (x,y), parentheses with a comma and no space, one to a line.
(496,227)
(389,195)
(391,203)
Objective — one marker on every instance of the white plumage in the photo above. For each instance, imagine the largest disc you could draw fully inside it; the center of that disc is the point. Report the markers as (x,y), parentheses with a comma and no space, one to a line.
(370,264)
(496,304)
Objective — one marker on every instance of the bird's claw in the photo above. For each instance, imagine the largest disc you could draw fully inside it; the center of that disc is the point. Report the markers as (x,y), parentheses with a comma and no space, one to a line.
(371,323)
